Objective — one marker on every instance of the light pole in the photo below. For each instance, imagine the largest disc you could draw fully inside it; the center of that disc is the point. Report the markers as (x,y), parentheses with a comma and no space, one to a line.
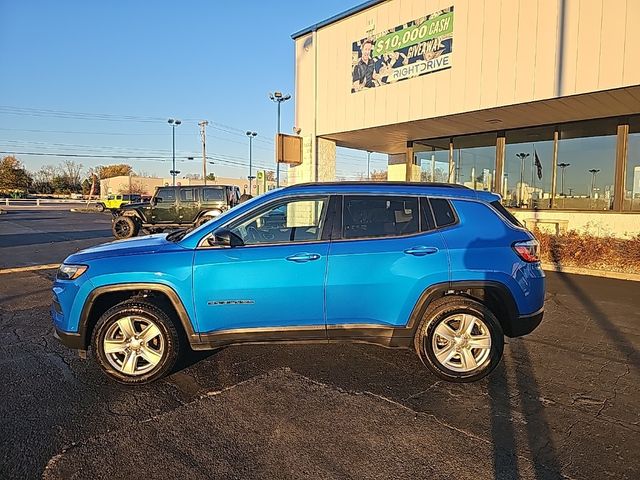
(594,172)
(278,97)
(562,166)
(174,124)
(521,156)
(368,164)
(251,136)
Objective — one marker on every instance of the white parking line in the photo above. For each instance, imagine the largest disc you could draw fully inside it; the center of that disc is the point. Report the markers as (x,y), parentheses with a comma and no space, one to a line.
(31,268)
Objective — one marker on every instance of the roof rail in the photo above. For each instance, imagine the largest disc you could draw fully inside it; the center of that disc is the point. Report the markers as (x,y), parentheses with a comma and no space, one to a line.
(385,183)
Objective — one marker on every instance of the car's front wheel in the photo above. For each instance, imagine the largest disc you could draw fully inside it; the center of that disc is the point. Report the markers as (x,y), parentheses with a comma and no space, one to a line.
(100,207)
(459,339)
(125,227)
(135,342)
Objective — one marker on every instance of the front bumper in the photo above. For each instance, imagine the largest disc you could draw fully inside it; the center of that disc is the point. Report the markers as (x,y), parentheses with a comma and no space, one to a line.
(69,339)
(523,324)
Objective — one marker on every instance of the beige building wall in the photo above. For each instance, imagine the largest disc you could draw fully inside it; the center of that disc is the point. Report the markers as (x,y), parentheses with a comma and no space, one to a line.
(504,53)
(148,185)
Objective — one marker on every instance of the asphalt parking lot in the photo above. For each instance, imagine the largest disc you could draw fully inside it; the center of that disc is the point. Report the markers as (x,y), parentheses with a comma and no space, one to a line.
(564,402)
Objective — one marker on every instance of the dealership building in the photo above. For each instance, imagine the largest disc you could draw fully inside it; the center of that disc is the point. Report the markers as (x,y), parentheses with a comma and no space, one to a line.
(536,100)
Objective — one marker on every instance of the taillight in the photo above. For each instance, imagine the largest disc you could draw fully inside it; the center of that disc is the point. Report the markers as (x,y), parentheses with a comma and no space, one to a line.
(529,250)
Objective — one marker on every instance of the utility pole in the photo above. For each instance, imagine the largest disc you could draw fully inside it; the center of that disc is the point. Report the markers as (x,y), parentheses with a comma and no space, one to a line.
(369,164)
(203,134)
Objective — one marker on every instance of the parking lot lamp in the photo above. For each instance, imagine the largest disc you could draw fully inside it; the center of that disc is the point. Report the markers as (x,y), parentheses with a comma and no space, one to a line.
(278,97)
(251,136)
(174,123)
(562,166)
(521,156)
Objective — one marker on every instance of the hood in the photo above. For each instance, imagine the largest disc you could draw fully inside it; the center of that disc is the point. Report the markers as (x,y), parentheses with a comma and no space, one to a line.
(118,248)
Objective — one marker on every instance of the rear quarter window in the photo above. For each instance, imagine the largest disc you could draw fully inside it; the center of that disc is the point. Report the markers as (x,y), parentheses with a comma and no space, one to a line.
(443,213)
(506,213)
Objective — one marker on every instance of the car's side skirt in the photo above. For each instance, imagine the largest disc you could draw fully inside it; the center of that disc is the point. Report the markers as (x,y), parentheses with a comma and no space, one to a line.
(378,335)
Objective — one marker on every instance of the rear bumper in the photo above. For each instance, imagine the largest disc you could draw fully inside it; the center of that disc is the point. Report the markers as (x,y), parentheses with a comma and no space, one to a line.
(69,339)
(523,324)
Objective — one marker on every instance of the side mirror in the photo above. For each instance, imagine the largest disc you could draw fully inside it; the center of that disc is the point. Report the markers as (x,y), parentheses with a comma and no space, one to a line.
(224,238)
(153,202)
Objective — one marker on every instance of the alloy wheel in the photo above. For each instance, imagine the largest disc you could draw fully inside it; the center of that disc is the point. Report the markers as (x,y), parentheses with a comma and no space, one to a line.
(133,345)
(122,228)
(462,343)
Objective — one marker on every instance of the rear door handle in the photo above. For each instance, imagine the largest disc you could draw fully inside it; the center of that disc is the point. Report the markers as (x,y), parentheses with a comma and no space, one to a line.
(421,251)
(303,257)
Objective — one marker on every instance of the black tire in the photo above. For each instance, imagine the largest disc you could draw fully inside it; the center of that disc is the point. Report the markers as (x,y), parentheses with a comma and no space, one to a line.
(443,309)
(203,219)
(100,207)
(144,312)
(125,227)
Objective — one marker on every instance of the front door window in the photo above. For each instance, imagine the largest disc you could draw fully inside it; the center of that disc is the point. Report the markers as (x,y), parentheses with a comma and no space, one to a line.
(298,220)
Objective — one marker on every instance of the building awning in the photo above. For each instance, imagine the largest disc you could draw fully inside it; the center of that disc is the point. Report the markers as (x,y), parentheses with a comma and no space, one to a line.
(393,138)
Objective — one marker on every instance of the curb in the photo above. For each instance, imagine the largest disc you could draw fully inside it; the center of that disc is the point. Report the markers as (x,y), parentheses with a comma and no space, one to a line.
(634,277)
(83,210)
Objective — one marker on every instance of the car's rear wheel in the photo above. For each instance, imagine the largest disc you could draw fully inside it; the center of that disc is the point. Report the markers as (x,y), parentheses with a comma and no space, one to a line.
(125,227)
(459,339)
(100,207)
(135,343)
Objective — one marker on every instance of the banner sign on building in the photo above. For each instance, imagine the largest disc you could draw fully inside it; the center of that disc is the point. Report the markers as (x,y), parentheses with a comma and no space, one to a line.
(416,48)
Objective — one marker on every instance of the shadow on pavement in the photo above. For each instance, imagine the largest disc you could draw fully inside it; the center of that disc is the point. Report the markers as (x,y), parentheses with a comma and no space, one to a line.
(21,239)
(620,342)
(543,455)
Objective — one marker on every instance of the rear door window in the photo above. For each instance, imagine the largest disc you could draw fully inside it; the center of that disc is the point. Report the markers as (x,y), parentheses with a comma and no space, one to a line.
(188,195)
(365,216)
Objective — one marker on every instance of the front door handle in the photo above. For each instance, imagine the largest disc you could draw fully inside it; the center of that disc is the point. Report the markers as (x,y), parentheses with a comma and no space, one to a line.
(303,257)
(421,251)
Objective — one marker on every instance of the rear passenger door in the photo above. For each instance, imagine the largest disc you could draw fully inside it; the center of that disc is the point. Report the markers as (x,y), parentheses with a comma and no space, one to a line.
(385,252)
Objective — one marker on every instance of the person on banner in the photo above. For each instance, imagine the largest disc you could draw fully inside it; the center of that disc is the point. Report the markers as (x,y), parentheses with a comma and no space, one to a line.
(365,69)
(386,64)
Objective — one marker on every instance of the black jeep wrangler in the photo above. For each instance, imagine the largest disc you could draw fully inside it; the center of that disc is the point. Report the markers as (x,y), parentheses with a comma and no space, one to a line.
(174,207)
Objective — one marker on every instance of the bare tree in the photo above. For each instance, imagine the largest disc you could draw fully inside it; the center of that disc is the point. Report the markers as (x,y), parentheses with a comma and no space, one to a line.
(71,171)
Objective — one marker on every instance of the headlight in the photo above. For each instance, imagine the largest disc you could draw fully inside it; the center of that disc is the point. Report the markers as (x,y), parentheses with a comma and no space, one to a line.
(70,272)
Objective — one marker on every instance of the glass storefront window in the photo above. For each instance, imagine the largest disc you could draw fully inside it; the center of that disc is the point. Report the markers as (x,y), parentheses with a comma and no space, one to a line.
(474,158)
(632,181)
(433,158)
(586,165)
(528,168)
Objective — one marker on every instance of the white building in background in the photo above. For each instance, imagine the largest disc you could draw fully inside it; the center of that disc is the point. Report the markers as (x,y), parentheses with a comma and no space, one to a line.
(424,81)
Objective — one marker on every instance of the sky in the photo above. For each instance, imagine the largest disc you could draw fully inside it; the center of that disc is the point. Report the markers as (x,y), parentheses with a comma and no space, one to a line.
(102,78)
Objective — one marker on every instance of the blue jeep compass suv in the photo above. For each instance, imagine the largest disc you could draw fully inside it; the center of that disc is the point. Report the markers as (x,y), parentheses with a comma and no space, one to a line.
(441,269)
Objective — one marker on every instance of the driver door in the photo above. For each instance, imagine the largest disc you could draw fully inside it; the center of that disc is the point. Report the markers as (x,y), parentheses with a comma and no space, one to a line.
(274,283)
(164,209)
